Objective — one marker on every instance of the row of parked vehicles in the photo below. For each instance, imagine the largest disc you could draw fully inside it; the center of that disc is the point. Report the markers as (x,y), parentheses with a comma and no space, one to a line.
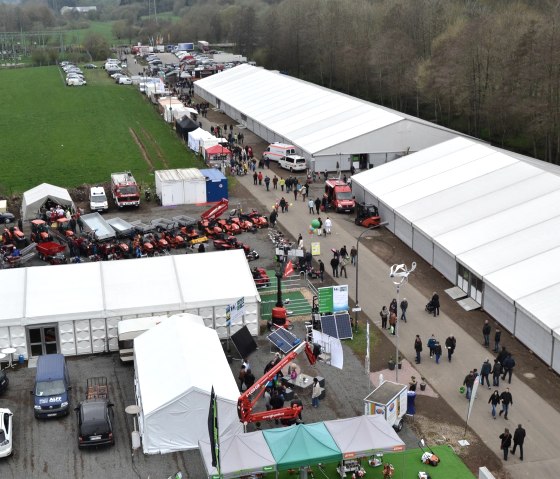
(74,75)
(114,69)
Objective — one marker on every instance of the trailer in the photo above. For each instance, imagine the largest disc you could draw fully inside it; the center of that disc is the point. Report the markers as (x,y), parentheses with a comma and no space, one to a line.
(122,228)
(96,223)
(389,399)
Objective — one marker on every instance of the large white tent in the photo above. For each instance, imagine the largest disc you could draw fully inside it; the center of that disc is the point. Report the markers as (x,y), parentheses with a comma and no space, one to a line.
(96,296)
(34,198)
(326,126)
(488,220)
(175,397)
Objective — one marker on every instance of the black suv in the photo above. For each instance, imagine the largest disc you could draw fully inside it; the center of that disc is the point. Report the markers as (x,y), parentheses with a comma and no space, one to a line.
(95,423)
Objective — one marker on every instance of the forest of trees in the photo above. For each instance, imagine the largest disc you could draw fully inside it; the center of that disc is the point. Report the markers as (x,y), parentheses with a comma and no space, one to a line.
(489,68)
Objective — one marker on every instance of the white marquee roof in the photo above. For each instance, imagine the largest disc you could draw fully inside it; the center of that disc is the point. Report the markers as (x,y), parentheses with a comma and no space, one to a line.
(498,214)
(314,118)
(126,287)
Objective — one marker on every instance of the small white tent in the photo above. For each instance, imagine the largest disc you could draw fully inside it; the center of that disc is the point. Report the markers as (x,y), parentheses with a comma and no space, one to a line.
(197,138)
(175,396)
(34,198)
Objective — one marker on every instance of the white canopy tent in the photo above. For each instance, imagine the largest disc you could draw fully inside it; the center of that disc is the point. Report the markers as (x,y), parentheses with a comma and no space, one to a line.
(196,138)
(34,198)
(175,399)
(487,219)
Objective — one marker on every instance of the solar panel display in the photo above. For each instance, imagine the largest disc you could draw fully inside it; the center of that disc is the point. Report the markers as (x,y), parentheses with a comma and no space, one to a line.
(283,340)
(343,326)
(328,325)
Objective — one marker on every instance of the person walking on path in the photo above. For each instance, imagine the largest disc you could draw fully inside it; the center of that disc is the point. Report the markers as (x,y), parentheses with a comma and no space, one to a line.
(320,228)
(508,365)
(283,204)
(343,264)
(497,338)
(494,401)
(267,182)
(315,393)
(506,442)
(393,306)
(321,270)
(354,256)
(485,372)
(300,242)
(418,348)
(318,205)
(260,178)
(393,323)
(518,440)
(334,264)
(437,351)
(496,371)
(273,216)
(431,344)
(311,206)
(468,382)
(450,344)
(282,182)
(507,400)
(486,329)
(275,182)
(435,304)
(328,226)
(241,377)
(404,307)
(255,178)
(384,313)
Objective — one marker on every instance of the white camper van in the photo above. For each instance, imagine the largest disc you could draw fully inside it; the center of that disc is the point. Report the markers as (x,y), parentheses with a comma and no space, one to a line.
(276,151)
(293,163)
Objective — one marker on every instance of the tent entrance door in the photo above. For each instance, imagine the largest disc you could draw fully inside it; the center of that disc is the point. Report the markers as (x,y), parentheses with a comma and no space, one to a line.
(42,340)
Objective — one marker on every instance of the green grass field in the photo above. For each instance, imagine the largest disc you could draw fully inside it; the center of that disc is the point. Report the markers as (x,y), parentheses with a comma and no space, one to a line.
(70,136)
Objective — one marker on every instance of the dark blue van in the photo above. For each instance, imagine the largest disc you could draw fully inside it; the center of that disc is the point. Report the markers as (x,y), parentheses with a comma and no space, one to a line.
(52,384)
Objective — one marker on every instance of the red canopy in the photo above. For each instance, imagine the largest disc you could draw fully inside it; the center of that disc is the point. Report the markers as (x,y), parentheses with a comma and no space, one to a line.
(217,150)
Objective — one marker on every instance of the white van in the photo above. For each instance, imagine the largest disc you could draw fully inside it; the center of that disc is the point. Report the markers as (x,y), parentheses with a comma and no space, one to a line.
(98,199)
(293,163)
(276,151)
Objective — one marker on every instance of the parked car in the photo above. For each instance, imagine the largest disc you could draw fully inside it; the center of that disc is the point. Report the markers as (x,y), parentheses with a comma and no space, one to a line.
(7,217)
(95,415)
(6,431)
(75,82)
(116,76)
(4,381)
(124,80)
(90,66)
(75,75)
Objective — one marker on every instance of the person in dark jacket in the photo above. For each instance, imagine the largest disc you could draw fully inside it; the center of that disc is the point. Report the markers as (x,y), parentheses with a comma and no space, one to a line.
(393,306)
(494,401)
(496,371)
(334,265)
(435,303)
(276,402)
(321,270)
(450,344)
(507,399)
(468,382)
(273,216)
(485,371)
(437,351)
(431,344)
(497,338)
(502,355)
(418,348)
(318,205)
(249,379)
(518,440)
(283,204)
(508,365)
(506,442)
(486,330)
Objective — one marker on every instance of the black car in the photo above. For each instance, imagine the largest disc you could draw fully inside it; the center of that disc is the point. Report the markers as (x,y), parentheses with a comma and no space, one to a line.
(4,381)
(7,218)
(95,423)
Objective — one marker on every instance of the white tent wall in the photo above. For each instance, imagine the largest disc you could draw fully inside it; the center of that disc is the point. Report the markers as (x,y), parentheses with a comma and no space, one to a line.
(67,338)
(445,263)
(556,353)
(534,335)
(499,307)
(387,214)
(403,229)
(423,245)
(169,187)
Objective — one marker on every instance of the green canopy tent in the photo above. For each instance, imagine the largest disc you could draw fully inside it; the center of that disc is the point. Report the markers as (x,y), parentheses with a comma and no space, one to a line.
(302,445)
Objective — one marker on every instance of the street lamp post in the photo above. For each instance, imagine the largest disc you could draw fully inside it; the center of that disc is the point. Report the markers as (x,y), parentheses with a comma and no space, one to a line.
(357,308)
(399,275)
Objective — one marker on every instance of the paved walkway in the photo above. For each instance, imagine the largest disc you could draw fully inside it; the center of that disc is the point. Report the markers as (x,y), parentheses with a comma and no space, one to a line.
(540,420)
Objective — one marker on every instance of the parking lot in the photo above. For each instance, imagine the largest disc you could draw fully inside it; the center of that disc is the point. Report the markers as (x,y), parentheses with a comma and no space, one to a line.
(48,448)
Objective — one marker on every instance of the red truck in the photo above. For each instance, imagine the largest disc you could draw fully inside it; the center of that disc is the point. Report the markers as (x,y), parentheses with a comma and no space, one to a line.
(339,196)
(125,189)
